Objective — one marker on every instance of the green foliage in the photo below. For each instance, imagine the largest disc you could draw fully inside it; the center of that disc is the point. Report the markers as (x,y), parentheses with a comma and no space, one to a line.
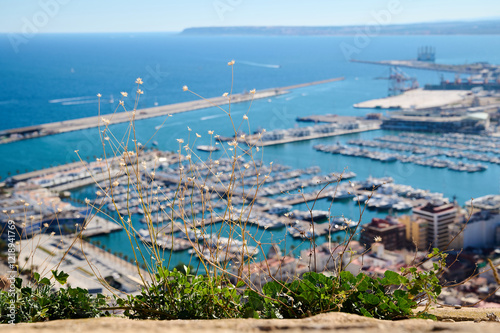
(425,283)
(181,295)
(178,294)
(39,302)
(315,293)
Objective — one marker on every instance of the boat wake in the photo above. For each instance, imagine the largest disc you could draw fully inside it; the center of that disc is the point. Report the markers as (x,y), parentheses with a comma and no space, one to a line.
(211,117)
(72,99)
(79,102)
(249,63)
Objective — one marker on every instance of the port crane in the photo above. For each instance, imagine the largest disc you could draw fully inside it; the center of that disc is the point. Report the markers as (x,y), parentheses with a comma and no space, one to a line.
(399,81)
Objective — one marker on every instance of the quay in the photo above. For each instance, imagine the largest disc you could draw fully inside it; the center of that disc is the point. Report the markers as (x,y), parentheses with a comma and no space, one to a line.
(35,131)
(465,69)
(87,264)
(335,125)
(317,136)
(99,226)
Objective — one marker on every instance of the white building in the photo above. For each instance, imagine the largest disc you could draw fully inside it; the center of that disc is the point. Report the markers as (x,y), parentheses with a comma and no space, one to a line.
(439,216)
(481,230)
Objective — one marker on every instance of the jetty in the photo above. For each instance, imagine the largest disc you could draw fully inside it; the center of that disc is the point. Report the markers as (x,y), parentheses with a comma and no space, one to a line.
(35,131)
(333,126)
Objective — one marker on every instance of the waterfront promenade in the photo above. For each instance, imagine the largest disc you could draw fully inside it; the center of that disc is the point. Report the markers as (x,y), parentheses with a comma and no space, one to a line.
(16,134)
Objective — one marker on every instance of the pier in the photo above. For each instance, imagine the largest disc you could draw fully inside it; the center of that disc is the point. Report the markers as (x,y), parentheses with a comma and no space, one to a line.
(465,69)
(16,134)
(334,126)
(318,136)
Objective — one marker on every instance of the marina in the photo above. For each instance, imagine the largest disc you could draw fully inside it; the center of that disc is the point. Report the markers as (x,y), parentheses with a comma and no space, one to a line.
(386,157)
(179,222)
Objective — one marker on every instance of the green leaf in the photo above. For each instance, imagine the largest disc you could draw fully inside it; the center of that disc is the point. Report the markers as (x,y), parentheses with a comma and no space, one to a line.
(240,284)
(45,281)
(391,278)
(371,299)
(60,277)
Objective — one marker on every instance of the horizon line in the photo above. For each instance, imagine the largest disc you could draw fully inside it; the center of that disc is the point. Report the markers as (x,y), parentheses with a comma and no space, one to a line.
(465,21)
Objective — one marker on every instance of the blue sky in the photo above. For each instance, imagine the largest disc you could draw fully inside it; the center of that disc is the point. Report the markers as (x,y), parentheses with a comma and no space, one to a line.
(169,15)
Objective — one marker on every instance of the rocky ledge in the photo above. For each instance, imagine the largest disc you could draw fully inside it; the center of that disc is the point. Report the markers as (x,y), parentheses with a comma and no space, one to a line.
(450,320)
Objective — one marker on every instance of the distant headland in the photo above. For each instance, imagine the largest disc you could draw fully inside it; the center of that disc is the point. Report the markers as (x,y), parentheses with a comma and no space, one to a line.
(486,27)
